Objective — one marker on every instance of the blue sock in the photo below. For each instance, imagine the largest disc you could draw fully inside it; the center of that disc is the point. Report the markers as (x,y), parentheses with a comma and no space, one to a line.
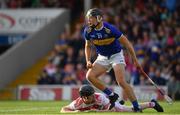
(135,105)
(107,91)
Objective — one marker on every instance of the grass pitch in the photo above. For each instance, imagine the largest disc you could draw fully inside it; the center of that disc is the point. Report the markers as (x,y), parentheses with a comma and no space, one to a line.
(53,107)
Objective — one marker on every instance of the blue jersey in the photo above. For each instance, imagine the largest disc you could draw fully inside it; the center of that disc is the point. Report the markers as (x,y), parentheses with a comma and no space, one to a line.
(106,40)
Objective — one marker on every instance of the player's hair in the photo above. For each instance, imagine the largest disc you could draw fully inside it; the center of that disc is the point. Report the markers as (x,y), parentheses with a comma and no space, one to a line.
(86,90)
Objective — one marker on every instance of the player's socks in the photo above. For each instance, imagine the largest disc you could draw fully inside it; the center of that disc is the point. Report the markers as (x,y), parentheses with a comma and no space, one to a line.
(136,106)
(113,97)
(108,92)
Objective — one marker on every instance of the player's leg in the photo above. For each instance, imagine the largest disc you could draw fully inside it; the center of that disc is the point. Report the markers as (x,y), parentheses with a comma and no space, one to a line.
(146,105)
(157,106)
(122,108)
(100,66)
(118,63)
(119,71)
(93,74)
(153,104)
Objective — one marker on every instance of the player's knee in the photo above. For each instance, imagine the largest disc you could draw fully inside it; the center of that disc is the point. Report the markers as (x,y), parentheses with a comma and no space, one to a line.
(90,76)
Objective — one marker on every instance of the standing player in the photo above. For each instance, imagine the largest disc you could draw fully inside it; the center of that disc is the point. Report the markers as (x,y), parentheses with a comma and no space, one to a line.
(108,40)
(91,101)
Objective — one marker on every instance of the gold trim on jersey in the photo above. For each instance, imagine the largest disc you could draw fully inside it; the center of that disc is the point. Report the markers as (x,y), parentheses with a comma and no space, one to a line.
(106,41)
(107,30)
(89,30)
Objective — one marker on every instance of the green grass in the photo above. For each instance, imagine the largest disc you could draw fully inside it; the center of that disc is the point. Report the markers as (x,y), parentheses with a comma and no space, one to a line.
(53,107)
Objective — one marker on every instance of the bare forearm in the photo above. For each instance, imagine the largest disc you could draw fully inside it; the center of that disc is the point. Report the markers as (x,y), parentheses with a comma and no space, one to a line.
(66,110)
(129,47)
(131,51)
(70,111)
(88,53)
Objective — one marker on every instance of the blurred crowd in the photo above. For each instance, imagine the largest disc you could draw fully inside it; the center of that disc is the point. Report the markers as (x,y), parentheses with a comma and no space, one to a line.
(74,5)
(152,26)
(14,4)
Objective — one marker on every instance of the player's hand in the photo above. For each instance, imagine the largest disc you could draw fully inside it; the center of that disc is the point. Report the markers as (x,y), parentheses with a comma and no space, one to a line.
(138,66)
(89,64)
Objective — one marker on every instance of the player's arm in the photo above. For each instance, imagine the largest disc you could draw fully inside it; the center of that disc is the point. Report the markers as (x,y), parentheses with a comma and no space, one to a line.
(88,53)
(96,110)
(125,42)
(67,109)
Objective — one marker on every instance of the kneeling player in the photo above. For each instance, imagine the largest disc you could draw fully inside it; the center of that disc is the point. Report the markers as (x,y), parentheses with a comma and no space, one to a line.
(91,101)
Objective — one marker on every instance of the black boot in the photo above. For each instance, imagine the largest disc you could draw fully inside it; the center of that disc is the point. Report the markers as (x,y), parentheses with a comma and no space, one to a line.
(113,99)
(157,106)
(138,109)
(122,102)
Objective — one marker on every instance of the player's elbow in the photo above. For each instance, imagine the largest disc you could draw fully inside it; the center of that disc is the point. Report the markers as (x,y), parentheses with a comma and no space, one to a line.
(87,47)
(63,110)
(87,44)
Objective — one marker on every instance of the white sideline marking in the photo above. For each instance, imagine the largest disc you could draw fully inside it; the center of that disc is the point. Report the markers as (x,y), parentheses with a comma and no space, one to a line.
(28,109)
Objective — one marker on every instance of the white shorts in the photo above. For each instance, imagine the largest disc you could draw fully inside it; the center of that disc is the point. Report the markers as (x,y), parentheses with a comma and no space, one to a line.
(108,63)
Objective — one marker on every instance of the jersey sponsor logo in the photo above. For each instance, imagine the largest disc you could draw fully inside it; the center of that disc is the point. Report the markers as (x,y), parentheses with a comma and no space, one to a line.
(106,41)
(6,21)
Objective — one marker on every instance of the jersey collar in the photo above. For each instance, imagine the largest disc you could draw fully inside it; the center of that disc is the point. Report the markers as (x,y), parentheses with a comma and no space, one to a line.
(100,28)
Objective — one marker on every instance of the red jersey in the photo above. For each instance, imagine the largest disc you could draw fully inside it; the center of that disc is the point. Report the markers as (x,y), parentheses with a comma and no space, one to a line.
(101,103)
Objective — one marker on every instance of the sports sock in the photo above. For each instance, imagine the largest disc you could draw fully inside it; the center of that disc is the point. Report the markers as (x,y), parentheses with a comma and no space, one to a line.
(108,92)
(147,105)
(135,105)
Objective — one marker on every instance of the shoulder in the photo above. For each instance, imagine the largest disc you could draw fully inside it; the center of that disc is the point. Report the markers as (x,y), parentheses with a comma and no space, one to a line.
(87,30)
(108,27)
(86,33)
(78,102)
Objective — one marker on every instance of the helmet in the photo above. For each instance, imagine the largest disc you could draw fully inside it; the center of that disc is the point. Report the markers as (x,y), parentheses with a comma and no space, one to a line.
(94,12)
(86,90)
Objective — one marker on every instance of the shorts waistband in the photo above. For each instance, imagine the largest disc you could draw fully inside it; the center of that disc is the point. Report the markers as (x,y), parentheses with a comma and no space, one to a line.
(108,57)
